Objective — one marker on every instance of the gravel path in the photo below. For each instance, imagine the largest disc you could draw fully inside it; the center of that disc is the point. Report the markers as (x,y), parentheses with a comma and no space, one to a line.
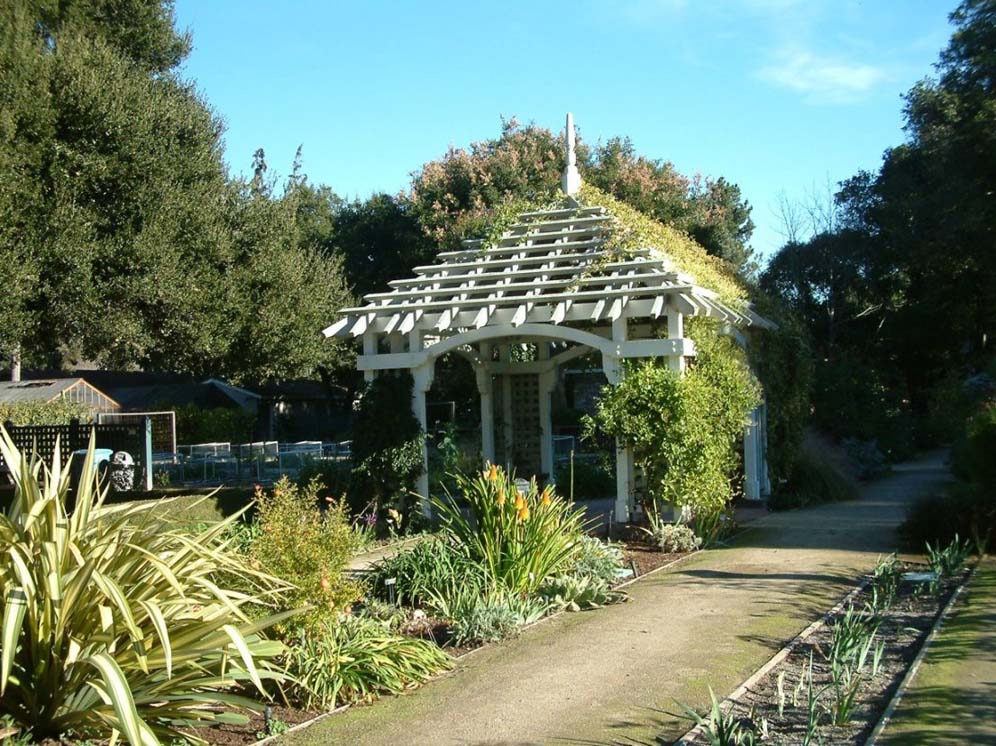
(613,675)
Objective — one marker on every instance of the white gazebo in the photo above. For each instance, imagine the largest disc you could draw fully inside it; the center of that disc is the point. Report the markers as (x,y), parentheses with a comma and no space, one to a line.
(541,295)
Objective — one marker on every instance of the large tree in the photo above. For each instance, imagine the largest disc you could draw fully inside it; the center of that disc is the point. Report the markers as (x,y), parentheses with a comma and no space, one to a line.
(452,196)
(125,240)
(903,290)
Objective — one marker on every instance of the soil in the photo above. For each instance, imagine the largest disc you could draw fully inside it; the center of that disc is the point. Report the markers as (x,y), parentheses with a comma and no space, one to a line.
(903,630)
(242,735)
(646,557)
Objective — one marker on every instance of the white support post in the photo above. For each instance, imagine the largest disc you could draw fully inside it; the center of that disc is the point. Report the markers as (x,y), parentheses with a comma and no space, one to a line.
(369,348)
(752,483)
(763,438)
(676,330)
(485,386)
(422,377)
(624,456)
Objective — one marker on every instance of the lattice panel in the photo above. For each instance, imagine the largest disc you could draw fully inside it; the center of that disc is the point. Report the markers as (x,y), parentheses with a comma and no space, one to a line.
(525,425)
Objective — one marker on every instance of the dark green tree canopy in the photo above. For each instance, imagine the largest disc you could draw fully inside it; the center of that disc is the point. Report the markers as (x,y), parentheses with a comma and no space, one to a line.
(124,239)
(902,296)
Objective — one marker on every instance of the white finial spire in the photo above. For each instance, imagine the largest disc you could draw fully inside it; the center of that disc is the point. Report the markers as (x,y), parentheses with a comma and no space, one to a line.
(570,182)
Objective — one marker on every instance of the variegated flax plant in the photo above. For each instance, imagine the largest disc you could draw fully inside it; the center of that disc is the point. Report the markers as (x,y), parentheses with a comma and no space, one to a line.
(117,625)
(519,538)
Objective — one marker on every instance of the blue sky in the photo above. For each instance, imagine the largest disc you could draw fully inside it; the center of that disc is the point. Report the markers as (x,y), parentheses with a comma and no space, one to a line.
(778,96)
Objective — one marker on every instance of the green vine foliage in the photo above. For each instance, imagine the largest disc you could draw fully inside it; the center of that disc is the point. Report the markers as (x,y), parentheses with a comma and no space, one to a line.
(782,358)
(684,430)
(388,444)
(634,230)
(58,412)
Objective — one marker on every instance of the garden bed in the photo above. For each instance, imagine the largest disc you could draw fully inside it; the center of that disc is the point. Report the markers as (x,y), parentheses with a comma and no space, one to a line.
(646,557)
(795,700)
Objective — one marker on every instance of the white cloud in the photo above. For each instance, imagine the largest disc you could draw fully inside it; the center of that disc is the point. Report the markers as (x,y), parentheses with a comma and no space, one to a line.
(822,79)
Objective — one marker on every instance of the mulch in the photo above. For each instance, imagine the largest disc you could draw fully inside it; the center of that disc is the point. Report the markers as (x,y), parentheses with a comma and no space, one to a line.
(646,557)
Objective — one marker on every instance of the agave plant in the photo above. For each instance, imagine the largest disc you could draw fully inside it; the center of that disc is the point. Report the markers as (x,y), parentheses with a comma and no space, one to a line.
(520,538)
(112,623)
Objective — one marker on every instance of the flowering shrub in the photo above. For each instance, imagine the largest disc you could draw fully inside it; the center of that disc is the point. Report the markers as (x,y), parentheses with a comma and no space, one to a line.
(307,547)
(518,538)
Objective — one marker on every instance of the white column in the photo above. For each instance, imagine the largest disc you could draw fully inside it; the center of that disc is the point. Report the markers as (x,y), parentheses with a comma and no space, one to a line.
(675,330)
(485,387)
(624,456)
(422,377)
(369,348)
(752,484)
(763,437)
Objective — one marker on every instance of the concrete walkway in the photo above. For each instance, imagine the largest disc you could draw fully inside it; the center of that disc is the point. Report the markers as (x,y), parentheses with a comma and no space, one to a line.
(613,675)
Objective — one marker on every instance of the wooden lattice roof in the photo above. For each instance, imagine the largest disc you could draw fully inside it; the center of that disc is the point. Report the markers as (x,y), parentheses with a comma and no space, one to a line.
(551,267)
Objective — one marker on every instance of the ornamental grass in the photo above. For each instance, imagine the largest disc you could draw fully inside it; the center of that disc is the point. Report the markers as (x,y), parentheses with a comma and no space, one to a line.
(114,625)
(518,538)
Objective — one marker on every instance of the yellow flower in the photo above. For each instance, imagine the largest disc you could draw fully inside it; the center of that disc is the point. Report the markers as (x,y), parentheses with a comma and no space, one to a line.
(524,512)
(520,501)
(492,473)
(501,497)
(545,498)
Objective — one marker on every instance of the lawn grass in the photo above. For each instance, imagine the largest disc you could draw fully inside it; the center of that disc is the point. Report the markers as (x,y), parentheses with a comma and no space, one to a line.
(953,697)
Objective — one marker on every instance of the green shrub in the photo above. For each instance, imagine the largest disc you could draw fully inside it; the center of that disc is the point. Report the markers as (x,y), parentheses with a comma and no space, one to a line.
(356,659)
(334,478)
(519,539)
(671,538)
(974,455)
(58,412)
(433,565)
(814,479)
(595,559)
(684,430)
(387,444)
(220,424)
(960,510)
(581,480)
(489,617)
(306,547)
(114,621)
(577,592)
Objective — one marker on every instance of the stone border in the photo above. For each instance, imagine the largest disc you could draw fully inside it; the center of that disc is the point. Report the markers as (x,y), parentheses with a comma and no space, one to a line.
(777,658)
(915,666)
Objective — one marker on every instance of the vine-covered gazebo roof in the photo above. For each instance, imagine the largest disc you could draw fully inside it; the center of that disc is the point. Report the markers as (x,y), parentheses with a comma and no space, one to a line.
(552,266)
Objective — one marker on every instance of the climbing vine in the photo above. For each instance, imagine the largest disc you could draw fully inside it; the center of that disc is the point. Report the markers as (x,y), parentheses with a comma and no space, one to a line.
(684,430)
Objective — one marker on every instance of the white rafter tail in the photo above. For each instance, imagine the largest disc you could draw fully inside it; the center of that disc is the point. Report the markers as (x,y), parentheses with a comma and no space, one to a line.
(616,309)
(560,312)
(483,316)
(392,323)
(338,327)
(519,317)
(362,324)
(596,313)
(658,306)
(445,319)
(409,323)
